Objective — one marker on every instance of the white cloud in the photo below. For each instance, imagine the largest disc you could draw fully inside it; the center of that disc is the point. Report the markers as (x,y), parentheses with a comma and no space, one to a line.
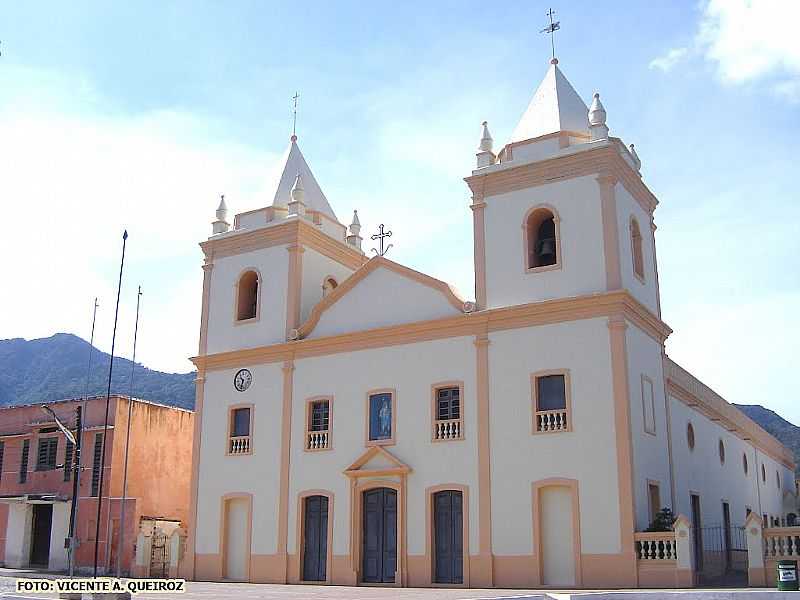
(750,39)
(669,60)
(72,182)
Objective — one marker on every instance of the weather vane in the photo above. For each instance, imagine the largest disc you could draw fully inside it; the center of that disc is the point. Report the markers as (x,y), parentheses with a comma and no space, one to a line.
(551,29)
(380,236)
(294,115)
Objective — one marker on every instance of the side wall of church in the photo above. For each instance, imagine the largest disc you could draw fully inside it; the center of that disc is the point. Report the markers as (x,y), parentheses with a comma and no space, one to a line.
(224,333)
(649,436)
(700,471)
(582,271)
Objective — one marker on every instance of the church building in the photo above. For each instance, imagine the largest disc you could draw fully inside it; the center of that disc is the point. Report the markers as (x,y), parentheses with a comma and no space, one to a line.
(359,422)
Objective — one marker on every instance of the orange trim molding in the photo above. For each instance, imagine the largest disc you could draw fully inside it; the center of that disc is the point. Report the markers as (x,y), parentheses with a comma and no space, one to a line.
(479,249)
(608,209)
(484,577)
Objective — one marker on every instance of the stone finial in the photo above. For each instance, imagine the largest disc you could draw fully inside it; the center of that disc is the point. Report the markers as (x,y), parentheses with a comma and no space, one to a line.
(221,224)
(296,205)
(298,192)
(354,239)
(486,142)
(485,156)
(635,158)
(597,119)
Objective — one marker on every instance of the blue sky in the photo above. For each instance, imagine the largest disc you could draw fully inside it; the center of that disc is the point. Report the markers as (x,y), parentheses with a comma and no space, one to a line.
(140,114)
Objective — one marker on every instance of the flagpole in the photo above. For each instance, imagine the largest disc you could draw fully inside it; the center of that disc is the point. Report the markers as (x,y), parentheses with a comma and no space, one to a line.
(108,402)
(121,544)
(79,455)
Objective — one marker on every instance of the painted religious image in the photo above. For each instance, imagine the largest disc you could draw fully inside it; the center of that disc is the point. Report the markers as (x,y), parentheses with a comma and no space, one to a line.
(380,417)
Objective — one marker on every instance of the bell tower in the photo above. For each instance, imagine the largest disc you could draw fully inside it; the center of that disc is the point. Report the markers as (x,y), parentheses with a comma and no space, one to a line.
(561,210)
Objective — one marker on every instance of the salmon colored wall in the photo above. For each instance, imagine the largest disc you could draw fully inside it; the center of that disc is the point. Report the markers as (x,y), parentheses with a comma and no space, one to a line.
(158,470)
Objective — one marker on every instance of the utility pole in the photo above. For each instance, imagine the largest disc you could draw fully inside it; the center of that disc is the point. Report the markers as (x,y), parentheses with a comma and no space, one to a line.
(108,403)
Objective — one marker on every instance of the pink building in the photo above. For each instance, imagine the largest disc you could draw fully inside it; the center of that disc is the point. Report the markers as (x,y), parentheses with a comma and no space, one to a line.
(36,470)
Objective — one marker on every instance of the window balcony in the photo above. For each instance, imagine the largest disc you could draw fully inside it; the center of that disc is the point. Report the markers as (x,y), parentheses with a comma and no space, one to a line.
(239,445)
(449,429)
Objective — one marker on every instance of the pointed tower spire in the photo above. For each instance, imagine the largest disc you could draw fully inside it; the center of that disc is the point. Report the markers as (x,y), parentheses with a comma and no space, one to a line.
(354,239)
(221,224)
(597,119)
(485,156)
(555,106)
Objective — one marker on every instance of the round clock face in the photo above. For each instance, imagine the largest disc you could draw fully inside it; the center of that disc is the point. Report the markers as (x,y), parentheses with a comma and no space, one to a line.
(242,380)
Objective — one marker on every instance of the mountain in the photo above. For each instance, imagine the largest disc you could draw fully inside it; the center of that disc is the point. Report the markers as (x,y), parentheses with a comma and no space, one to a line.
(787,433)
(54,368)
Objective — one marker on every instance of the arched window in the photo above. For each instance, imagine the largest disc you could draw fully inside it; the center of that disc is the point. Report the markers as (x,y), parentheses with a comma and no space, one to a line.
(542,239)
(744,463)
(722,452)
(763,474)
(690,436)
(636,249)
(247,296)
(328,286)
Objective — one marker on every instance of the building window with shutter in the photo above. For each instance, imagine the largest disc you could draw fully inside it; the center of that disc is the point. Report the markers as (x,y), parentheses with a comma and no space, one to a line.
(240,427)
(23,463)
(98,451)
(46,456)
(318,424)
(448,411)
(551,401)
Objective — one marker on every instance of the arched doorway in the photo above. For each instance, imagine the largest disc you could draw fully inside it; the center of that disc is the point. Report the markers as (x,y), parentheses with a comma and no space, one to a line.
(379,535)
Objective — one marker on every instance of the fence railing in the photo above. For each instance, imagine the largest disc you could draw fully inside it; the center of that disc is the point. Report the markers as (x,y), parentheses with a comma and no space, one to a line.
(239,444)
(551,420)
(448,429)
(317,440)
(781,542)
(656,546)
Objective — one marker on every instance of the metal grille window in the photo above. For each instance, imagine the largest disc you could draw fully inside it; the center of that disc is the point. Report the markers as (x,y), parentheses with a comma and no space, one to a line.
(23,464)
(319,416)
(98,451)
(69,451)
(448,404)
(46,457)
(2,451)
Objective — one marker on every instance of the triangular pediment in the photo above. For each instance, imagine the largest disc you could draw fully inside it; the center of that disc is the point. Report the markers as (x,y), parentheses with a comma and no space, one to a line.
(377,461)
(381,293)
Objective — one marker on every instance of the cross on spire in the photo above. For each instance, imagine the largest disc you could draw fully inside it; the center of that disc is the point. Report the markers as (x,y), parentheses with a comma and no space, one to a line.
(294,116)
(551,29)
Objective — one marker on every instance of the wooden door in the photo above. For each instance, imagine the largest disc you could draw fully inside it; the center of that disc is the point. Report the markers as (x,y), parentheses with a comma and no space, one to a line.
(237,554)
(448,540)
(697,527)
(40,539)
(315,538)
(379,536)
(557,536)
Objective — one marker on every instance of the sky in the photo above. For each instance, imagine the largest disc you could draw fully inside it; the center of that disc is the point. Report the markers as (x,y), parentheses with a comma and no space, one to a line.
(119,115)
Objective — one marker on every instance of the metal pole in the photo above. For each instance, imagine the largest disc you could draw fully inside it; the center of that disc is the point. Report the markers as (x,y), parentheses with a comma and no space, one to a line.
(73,515)
(127,443)
(108,402)
(76,486)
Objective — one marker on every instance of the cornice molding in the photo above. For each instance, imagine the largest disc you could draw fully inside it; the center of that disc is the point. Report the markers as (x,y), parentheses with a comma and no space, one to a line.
(617,303)
(604,161)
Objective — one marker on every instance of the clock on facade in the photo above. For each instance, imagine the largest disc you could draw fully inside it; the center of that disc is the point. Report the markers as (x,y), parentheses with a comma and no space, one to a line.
(242,379)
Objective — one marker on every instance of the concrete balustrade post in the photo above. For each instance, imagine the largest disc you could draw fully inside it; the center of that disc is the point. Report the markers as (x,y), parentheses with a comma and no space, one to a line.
(754,531)
(684,567)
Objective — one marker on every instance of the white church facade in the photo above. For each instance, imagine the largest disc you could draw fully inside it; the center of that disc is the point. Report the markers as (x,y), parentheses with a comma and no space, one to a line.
(360,423)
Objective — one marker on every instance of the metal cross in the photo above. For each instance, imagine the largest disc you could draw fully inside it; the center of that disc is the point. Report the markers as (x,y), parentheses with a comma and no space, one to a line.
(551,29)
(294,112)
(380,236)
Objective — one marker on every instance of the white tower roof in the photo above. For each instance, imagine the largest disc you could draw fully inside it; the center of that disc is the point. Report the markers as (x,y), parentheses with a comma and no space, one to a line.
(291,166)
(555,106)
